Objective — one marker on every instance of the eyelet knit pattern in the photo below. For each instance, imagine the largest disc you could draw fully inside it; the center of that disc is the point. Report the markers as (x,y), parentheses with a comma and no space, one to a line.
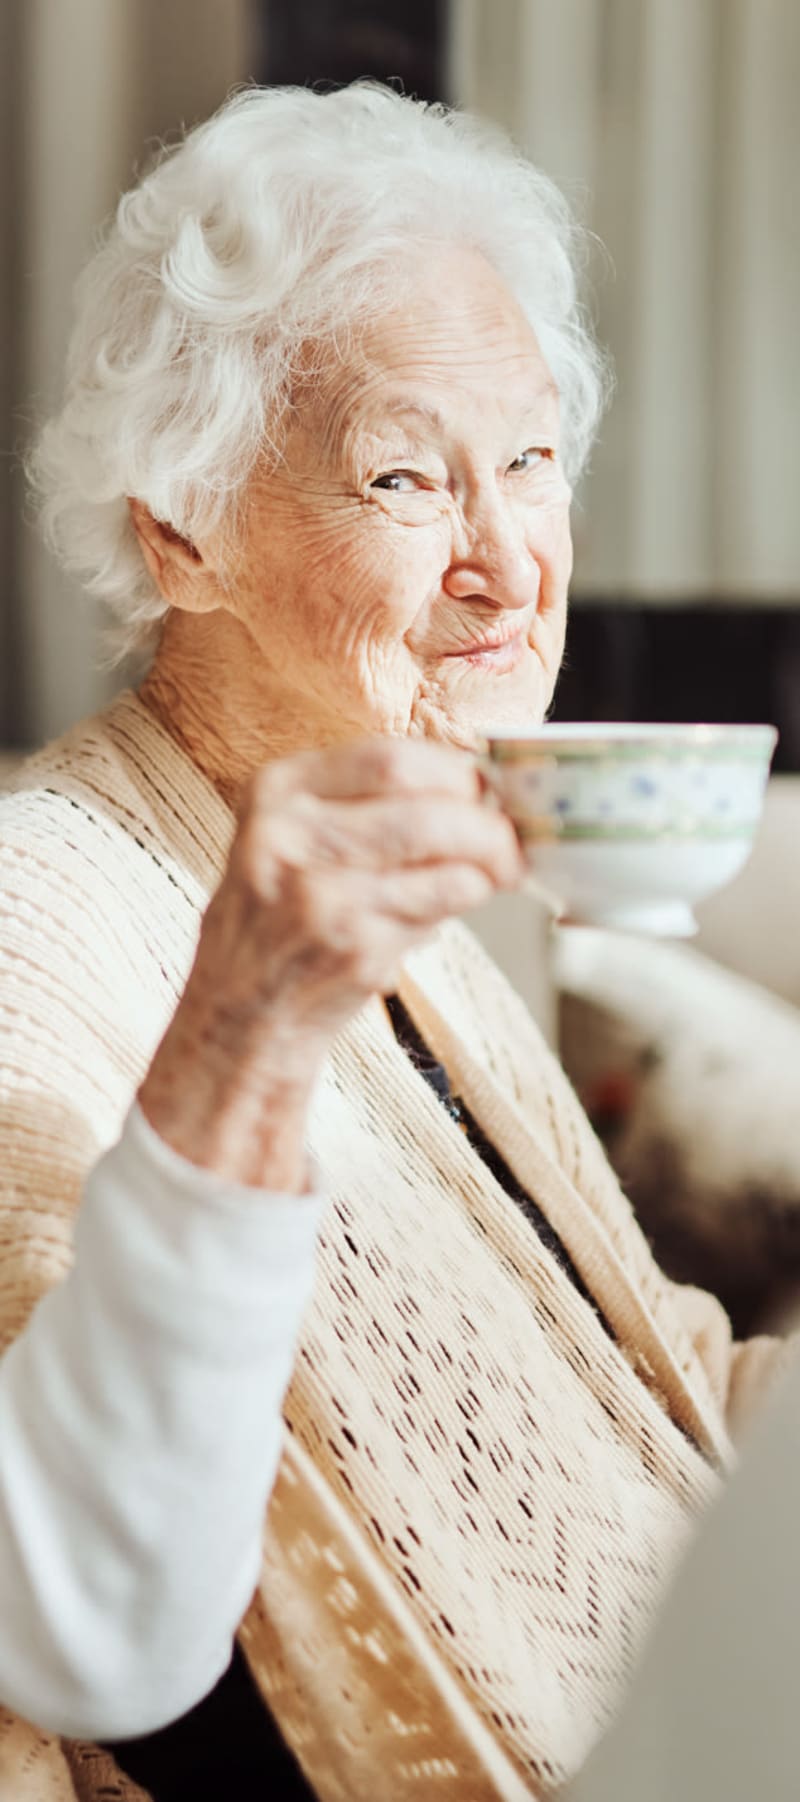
(482,1493)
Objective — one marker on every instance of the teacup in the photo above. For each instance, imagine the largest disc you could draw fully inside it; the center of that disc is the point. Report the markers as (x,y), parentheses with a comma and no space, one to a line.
(630,825)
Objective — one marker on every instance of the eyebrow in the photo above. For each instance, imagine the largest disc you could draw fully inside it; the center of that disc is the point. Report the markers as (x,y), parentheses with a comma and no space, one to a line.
(415,409)
(407,406)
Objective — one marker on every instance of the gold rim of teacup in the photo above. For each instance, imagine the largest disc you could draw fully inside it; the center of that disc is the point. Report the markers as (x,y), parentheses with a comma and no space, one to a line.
(531,832)
(667,744)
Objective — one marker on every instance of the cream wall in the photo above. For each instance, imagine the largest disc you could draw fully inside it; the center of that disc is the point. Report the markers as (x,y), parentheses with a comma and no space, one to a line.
(516,931)
(89,85)
(754,924)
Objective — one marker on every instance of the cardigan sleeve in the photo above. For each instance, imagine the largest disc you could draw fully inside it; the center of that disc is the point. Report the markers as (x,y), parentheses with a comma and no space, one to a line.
(140,1431)
(148,1319)
(741,1373)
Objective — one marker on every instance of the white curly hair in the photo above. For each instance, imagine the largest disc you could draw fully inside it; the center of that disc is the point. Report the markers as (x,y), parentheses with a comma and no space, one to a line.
(285,221)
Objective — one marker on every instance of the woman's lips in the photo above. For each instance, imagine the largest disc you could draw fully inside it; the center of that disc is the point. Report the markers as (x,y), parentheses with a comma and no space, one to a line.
(492,653)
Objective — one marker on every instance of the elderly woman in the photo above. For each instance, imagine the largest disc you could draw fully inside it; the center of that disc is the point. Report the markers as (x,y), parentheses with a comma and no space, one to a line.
(345,1340)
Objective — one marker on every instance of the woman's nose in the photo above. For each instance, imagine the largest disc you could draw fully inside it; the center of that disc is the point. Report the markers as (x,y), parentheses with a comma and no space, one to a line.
(493,560)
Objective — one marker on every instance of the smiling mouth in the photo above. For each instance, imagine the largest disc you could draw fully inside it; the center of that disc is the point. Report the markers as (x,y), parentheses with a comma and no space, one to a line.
(492,653)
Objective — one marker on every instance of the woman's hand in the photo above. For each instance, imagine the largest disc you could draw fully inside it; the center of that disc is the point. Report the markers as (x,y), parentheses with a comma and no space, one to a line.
(343,860)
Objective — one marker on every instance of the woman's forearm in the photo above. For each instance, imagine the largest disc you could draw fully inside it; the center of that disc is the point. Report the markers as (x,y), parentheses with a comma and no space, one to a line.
(140,1432)
(233,1096)
(245,1129)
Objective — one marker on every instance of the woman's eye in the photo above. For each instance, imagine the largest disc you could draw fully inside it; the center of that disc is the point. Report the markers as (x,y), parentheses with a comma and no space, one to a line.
(398,481)
(528,459)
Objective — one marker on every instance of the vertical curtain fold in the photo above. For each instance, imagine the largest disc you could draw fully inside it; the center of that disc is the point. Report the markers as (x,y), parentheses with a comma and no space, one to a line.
(675,125)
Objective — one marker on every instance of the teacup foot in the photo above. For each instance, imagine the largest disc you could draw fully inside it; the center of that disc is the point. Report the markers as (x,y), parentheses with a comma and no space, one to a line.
(667,919)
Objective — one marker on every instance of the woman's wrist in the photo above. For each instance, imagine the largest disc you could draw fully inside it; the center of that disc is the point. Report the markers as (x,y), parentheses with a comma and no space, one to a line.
(234,1101)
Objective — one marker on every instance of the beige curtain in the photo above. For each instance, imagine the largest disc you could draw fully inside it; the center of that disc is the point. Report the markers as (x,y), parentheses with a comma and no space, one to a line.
(85,86)
(676,126)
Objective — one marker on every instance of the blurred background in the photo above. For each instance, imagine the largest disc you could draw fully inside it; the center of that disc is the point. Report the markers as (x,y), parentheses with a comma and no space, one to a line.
(674,126)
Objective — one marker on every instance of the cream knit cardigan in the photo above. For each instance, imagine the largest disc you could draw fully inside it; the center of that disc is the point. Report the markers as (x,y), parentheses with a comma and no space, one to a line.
(482,1493)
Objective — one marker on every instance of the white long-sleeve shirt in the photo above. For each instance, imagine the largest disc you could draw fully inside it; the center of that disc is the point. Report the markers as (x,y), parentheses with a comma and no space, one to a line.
(140,1431)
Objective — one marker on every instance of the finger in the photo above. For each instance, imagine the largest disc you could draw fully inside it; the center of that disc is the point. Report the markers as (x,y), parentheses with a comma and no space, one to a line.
(371,767)
(397,915)
(424,897)
(388,834)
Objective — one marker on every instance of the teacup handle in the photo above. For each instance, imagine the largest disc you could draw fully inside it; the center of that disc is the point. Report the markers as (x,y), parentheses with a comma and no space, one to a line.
(492,796)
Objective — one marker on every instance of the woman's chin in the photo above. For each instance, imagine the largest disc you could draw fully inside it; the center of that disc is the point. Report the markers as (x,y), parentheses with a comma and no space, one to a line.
(511,707)
(468,727)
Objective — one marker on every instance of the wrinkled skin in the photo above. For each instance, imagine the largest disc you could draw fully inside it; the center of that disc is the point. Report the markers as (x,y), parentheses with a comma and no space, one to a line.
(403,572)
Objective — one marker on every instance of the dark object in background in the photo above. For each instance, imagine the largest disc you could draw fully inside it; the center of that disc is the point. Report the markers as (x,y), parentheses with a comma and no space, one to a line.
(688,1073)
(716,661)
(335,41)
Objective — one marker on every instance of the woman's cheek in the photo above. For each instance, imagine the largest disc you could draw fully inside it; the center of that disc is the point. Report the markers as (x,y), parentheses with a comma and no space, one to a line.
(362,613)
(401,564)
(552,548)
(418,511)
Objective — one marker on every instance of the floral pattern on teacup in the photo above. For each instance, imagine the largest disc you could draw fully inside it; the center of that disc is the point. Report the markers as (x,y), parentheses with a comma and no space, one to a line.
(602,797)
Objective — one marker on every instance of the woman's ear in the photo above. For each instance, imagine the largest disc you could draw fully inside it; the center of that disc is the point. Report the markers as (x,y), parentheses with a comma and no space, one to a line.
(180,571)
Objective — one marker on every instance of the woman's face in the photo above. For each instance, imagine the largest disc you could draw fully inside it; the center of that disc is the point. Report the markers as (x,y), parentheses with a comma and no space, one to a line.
(405,569)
